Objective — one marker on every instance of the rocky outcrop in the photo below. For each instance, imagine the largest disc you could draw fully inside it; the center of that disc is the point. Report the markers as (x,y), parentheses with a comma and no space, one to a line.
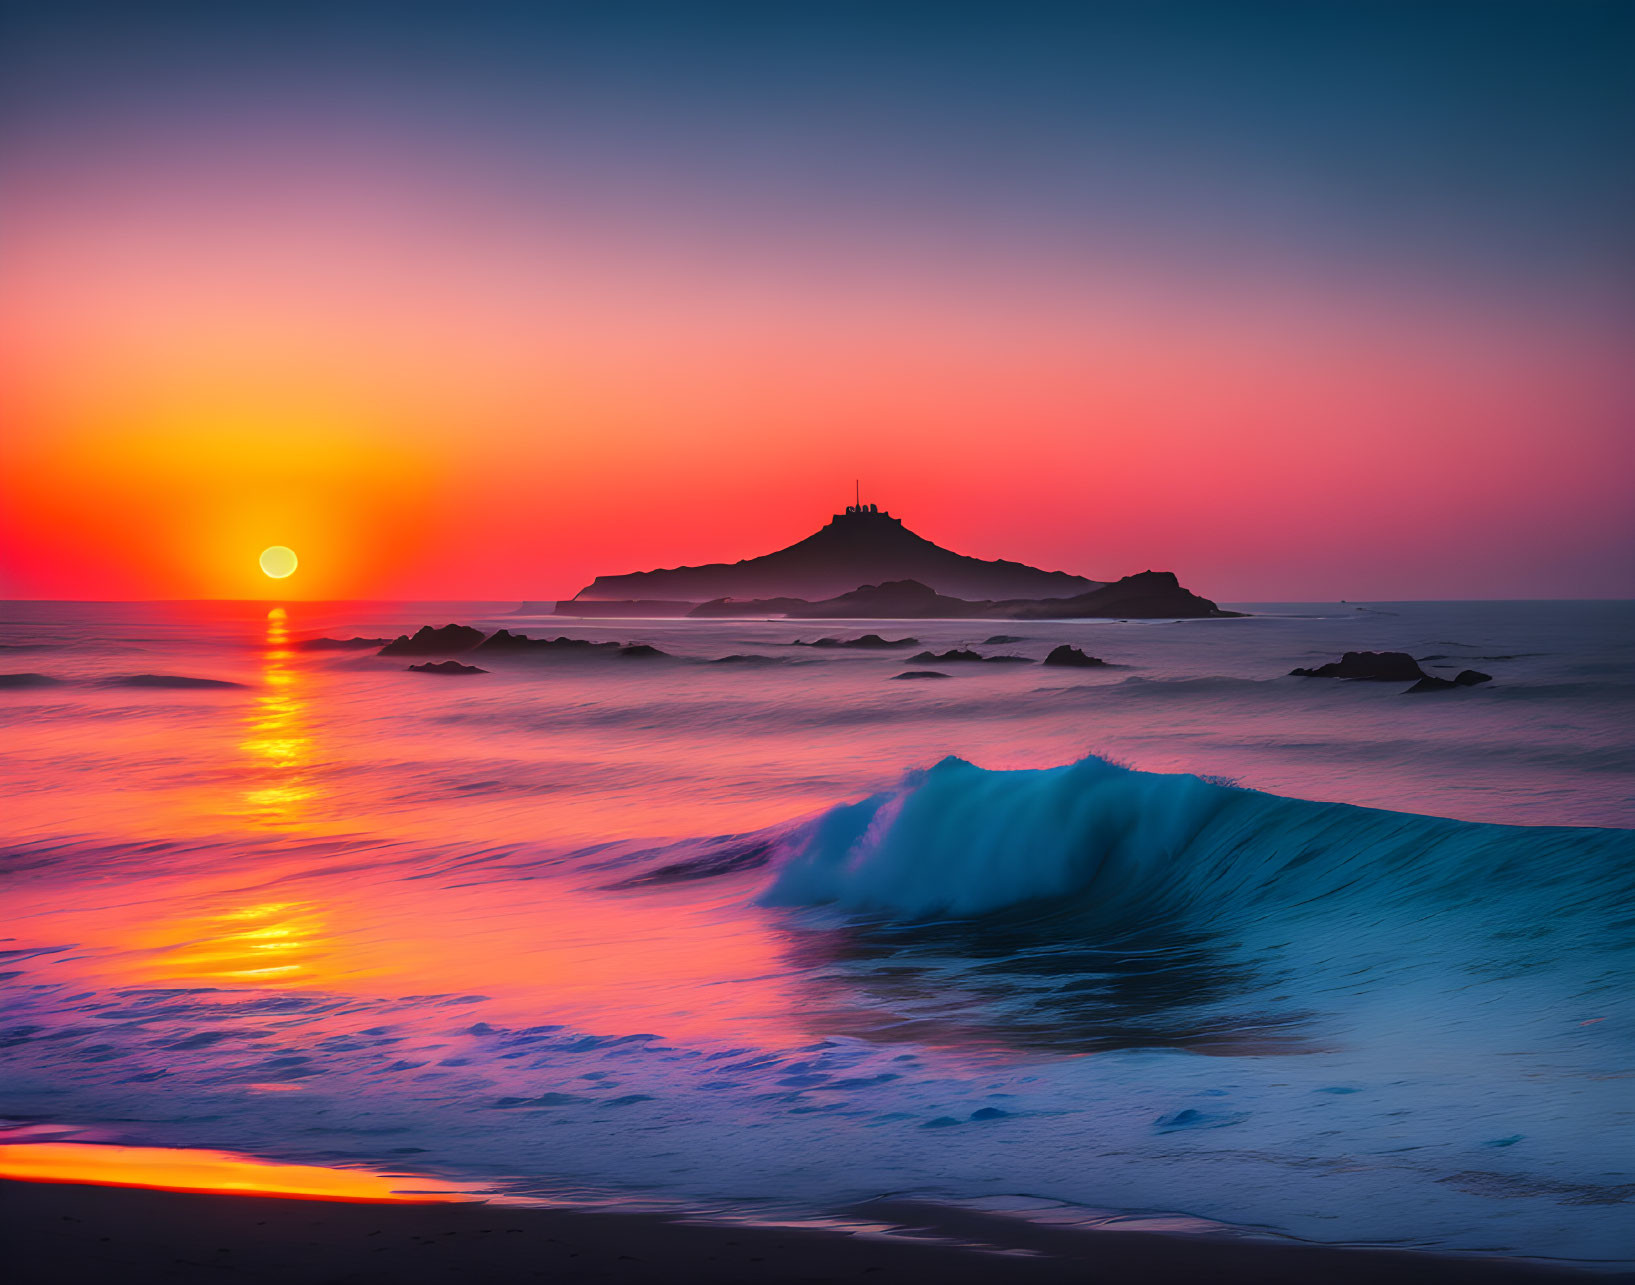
(1370,666)
(1065,655)
(1465,678)
(447,641)
(506,642)
(957,656)
(919,673)
(446,667)
(641,651)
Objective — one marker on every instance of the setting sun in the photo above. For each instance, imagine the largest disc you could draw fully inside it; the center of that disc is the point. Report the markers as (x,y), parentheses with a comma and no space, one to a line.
(278,561)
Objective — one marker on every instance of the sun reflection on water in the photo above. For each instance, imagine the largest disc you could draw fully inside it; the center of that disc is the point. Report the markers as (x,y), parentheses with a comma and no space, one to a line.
(278,742)
(269,944)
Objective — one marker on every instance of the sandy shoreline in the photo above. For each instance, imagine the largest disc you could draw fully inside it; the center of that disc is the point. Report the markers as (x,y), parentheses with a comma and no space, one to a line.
(62,1233)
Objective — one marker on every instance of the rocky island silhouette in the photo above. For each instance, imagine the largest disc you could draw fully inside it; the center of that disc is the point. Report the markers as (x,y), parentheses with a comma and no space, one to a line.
(865,564)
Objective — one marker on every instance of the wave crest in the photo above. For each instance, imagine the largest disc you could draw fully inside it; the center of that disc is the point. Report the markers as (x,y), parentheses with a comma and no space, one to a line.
(1142,848)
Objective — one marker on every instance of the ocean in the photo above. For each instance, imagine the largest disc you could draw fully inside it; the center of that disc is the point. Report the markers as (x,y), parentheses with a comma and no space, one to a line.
(1178,941)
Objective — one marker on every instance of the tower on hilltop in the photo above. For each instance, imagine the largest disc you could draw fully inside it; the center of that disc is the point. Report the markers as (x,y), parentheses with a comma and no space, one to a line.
(857,506)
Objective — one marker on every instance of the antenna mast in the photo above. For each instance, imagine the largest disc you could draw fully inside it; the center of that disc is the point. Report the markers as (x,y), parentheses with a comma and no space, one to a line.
(857,493)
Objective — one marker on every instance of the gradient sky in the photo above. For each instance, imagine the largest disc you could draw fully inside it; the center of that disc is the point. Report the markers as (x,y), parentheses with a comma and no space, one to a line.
(1302,301)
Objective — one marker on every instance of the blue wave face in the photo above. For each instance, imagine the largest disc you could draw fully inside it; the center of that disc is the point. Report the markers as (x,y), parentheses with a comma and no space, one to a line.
(1129,849)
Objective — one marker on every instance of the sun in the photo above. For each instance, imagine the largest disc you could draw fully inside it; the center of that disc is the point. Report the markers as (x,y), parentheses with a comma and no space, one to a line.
(279,561)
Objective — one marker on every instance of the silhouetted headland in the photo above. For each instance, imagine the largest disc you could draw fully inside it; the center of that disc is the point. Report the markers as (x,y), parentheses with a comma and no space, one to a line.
(861,546)
(865,564)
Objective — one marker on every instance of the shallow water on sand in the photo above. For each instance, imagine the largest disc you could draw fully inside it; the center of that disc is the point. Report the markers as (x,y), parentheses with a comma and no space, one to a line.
(710,933)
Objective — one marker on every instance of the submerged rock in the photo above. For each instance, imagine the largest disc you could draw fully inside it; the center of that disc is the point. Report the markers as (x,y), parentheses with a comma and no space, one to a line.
(434,642)
(1372,666)
(1065,655)
(956,655)
(641,651)
(920,673)
(446,667)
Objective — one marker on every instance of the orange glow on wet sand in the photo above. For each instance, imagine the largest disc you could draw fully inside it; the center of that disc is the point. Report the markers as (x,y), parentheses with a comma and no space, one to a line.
(181,1169)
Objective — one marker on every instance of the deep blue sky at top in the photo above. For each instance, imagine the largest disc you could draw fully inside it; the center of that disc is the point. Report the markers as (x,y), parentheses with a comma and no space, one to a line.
(1491,134)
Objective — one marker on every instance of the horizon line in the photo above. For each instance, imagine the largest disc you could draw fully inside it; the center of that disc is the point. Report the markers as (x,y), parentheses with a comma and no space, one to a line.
(285,602)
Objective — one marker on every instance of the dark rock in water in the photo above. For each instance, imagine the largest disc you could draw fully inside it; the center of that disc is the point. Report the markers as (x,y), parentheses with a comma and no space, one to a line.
(1065,655)
(176,681)
(919,673)
(958,654)
(1000,640)
(1466,678)
(434,642)
(746,658)
(28,680)
(866,642)
(340,644)
(504,641)
(1374,666)
(446,667)
(1006,660)
(641,651)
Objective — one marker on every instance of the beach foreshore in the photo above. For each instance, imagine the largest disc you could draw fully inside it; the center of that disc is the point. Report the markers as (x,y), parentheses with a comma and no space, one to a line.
(65,1233)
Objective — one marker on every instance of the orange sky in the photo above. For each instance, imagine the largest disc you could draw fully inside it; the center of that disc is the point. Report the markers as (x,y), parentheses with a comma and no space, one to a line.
(436,372)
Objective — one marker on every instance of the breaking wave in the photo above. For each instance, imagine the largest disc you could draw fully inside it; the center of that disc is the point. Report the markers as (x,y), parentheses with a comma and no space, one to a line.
(1137,848)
